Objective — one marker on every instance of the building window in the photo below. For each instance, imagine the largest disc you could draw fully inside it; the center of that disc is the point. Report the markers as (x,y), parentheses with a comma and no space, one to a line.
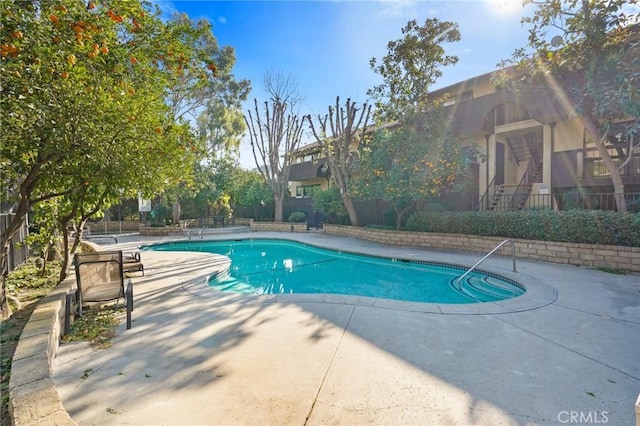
(617,148)
(464,96)
(304,191)
(306,158)
(597,168)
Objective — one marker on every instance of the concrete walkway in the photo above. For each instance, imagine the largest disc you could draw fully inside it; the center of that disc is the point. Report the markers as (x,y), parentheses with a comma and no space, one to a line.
(567,352)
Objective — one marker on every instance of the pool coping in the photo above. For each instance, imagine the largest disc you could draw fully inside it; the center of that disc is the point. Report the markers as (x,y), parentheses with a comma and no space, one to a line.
(537,294)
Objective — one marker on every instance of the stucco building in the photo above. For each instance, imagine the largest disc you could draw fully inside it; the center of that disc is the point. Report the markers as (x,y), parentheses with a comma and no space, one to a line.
(534,152)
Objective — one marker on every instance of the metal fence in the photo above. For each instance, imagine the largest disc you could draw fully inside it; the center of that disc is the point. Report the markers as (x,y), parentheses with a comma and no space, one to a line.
(18,249)
(381,213)
(565,201)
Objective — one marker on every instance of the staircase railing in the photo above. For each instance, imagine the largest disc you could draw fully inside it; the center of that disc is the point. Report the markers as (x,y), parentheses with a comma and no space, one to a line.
(483,204)
(524,186)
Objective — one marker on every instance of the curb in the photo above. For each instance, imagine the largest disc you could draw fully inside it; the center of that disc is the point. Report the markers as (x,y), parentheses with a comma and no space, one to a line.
(33,398)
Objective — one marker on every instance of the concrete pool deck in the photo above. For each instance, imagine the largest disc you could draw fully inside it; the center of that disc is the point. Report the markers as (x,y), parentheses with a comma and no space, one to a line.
(567,352)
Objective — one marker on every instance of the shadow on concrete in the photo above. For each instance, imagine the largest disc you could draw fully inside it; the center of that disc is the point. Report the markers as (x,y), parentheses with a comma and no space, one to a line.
(212,358)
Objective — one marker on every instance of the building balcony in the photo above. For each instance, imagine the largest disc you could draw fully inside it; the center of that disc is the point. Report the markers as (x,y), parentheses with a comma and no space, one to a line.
(309,170)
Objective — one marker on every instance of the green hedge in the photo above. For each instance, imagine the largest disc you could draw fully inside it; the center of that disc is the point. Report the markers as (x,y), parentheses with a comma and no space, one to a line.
(575,226)
(297,217)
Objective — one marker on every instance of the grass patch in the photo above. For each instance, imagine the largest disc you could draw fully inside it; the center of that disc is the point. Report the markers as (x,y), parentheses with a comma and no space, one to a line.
(96,326)
(30,282)
(611,270)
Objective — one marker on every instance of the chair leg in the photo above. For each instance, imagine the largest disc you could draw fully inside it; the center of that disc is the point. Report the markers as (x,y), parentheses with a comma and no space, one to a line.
(67,313)
(128,295)
(79,303)
(130,285)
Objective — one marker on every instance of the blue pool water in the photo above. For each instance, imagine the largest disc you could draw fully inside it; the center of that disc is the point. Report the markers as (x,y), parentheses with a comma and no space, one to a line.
(278,266)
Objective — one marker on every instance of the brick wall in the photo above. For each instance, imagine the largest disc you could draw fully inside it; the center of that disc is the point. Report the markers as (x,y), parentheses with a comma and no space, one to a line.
(241,221)
(594,255)
(279,226)
(157,231)
(112,227)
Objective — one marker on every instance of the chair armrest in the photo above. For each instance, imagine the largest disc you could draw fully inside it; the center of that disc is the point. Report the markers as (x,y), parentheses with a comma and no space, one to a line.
(132,256)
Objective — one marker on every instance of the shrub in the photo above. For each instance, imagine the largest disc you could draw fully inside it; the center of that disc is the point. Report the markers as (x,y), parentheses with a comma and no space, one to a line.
(329,202)
(576,226)
(390,216)
(297,217)
(161,215)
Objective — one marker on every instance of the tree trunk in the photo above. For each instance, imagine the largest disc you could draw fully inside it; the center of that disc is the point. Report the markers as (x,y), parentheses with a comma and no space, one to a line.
(401,213)
(616,177)
(278,200)
(65,254)
(278,211)
(5,309)
(398,218)
(350,205)
(5,242)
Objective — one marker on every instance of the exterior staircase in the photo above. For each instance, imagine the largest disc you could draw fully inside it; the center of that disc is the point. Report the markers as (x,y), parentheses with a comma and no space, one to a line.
(514,197)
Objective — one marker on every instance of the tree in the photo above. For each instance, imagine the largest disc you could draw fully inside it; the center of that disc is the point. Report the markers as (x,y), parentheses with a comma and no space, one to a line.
(82,104)
(419,158)
(329,202)
(221,126)
(587,52)
(73,210)
(412,64)
(250,190)
(340,135)
(282,88)
(192,90)
(274,136)
(215,103)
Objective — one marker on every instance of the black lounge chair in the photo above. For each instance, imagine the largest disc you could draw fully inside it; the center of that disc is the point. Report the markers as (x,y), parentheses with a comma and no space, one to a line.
(132,263)
(100,278)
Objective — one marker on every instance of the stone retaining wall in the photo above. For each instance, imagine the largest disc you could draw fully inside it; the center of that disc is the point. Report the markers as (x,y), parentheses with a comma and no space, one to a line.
(593,255)
(112,227)
(241,221)
(158,231)
(279,226)
(33,398)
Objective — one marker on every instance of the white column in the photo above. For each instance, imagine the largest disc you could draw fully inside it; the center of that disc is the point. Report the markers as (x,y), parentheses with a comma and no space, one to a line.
(546,155)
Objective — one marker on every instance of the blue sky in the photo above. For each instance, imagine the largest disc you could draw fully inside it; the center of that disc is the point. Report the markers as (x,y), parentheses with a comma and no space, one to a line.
(326,45)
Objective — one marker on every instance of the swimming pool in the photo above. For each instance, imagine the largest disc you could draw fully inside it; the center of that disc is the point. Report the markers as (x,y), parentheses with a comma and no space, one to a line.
(268,266)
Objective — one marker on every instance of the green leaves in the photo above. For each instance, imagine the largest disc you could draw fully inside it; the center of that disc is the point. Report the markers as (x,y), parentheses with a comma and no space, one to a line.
(84,90)
(412,64)
(96,326)
(329,202)
(576,226)
(86,109)
(419,158)
(589,50)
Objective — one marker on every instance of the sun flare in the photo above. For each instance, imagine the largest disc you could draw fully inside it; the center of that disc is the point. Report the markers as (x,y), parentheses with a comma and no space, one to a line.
(506,8)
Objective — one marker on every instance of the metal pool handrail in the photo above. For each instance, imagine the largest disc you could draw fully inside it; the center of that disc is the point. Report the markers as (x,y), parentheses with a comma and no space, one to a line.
(513,255)
(189,234)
